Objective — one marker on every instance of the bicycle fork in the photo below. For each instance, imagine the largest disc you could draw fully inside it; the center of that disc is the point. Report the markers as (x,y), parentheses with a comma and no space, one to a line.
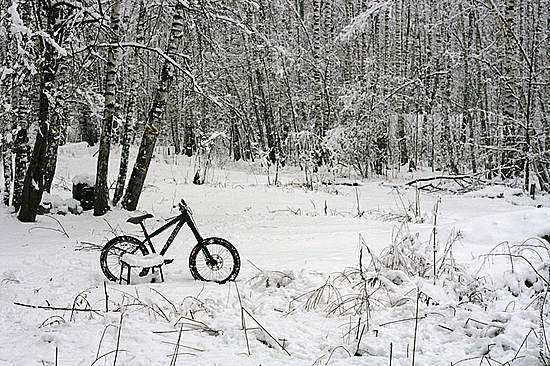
(210,260)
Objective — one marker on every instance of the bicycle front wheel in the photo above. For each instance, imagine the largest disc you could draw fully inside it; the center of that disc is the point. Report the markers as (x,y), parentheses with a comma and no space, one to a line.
(223,267)
(113,251)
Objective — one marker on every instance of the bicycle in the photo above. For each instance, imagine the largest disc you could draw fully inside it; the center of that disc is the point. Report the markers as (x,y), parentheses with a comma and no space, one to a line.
(211,259)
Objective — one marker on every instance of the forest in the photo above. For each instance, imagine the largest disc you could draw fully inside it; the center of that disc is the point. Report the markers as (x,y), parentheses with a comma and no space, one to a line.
(361,86)
(357,182)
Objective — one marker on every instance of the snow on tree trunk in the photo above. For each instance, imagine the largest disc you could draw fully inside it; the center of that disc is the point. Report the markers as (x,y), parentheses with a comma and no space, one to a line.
(33,186)
(317,84)
(509,91)
(101,204)
(152,127)
(130,121)
(7,145)
(43,156)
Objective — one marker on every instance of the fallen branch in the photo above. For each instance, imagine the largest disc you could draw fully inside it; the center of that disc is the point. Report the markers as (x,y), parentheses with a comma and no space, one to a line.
(427,179)
(56,308)
(59,222)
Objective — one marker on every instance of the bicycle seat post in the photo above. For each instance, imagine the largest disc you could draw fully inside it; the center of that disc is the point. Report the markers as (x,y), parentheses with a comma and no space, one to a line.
(147,238)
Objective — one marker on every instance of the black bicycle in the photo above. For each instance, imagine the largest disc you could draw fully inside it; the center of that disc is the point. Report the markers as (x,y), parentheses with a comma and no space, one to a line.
(211,259)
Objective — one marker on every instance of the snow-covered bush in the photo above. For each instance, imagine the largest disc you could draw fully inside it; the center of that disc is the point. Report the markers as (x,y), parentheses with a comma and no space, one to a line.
(57,205)
(266,279)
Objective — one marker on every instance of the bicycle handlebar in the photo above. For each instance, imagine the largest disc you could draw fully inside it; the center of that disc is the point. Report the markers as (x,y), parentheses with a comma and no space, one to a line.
(182,206)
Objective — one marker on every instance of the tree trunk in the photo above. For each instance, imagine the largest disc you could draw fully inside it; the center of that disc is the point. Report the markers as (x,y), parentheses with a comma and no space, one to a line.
(127,134)
(398,72)
(131,115)
(101,205)
(509,93)
(152,129)
(317,85)
(88,129)
(7,145)
(175,117)
(54,138)
(34,184)
(21,162)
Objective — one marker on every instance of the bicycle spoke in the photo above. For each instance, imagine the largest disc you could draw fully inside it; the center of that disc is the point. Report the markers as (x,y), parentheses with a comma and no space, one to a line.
(220,264)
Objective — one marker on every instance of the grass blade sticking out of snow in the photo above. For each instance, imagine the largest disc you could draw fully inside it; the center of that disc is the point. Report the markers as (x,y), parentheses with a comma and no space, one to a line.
(324,295)
(176,349)
(118,338)
(52,320)
(265,331)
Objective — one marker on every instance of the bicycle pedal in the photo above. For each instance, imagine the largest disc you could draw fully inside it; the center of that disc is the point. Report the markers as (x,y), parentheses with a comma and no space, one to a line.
(168,261)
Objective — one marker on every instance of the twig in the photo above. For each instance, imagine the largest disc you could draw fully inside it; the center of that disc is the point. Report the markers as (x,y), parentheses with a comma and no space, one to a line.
(118,338)
(106,354)
(52,320)
(88,246)
(56,220)
(83,299)
(139,302)
(101,339)
(184,346)
(55,308)
(521,346)
(106,297)
(359,212)
(266,332)
(446,328)
(168,301)
(401,320)
(255,266)
(427,179)
(525,259)
(415,325)
(176,349)
(434,233)
(332,352)
(359,341)
(243,322)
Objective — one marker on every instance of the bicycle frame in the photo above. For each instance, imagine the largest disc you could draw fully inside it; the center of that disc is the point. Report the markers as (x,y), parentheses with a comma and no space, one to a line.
(184,218)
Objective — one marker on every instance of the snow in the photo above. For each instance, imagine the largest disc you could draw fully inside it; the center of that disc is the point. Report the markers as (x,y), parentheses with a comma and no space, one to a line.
(59,205)
(87,179)
(146,261)
(300,280)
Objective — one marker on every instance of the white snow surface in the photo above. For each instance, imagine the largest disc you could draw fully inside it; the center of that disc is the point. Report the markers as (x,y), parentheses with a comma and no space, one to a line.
(300,253)
(144,261)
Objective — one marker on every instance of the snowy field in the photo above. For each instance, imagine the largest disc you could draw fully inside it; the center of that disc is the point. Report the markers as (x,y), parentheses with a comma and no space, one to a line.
(337,276)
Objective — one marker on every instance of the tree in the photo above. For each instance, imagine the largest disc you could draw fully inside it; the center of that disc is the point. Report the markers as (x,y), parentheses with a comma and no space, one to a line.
(154,120)
(101,200)
(50,22)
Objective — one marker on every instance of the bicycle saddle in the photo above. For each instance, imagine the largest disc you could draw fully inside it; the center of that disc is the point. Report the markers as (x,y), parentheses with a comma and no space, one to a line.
(138,219)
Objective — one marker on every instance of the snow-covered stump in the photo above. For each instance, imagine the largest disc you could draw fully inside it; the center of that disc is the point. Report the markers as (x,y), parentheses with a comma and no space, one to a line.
(151,261)
(84,190)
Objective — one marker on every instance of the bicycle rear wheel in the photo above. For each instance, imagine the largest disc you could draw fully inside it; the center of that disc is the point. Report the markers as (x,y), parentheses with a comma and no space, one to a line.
(113,251)
(225,267)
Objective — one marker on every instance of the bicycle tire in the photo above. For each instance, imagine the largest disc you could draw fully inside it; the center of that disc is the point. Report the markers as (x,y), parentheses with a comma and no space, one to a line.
(224,252)
(114,249)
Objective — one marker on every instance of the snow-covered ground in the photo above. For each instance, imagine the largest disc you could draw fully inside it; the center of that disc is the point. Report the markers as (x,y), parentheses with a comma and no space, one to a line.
(301,280)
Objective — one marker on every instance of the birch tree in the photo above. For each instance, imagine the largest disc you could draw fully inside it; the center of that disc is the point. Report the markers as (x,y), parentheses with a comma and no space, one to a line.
(155,118)
(101,198)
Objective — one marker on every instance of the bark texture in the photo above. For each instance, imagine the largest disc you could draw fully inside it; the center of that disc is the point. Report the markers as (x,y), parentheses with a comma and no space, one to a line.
(154,120)
(101,201)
